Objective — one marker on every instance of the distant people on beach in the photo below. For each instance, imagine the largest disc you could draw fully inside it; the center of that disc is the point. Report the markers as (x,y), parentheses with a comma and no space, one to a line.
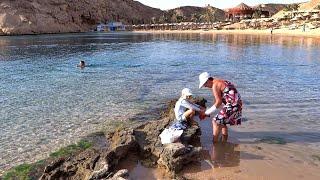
(184,109)
(224,93)
(271,30)
(304,28)
(81,64)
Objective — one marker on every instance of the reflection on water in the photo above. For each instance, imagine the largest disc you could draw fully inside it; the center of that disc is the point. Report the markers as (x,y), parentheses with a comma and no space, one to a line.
(138,171)
(46,102)
(225,155)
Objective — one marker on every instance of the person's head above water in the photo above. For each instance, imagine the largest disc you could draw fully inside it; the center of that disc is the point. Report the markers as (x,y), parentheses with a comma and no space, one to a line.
(205,80)
(82,64)
(186,93)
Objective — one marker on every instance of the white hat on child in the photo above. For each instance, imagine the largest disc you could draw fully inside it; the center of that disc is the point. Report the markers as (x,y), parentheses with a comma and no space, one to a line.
(186,92)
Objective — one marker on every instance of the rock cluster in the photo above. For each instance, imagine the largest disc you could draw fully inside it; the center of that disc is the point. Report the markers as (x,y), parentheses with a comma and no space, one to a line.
(144,140)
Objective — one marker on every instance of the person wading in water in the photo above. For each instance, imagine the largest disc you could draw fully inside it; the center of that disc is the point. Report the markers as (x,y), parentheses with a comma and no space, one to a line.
(224,93)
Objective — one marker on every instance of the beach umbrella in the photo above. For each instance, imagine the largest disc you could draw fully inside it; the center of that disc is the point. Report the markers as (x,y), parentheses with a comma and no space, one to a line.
(307,14)
(285,17)
(299,16)
(267,19)
(314,11)
(277,20)
(315,17)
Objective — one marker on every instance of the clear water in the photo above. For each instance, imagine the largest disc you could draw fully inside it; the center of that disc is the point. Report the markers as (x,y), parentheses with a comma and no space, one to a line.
(46,102)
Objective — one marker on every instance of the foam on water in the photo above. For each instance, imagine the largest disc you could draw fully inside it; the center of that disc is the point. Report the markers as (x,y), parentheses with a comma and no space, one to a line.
(46,102)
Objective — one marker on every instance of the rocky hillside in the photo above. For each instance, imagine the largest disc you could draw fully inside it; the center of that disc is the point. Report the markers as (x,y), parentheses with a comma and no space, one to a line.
(199,14)
(56,16)
(313,4)
(60,16)
(272,8)
(307,6)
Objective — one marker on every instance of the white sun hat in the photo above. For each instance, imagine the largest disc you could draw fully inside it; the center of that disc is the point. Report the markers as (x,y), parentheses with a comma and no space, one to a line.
(186,92)
(203,78)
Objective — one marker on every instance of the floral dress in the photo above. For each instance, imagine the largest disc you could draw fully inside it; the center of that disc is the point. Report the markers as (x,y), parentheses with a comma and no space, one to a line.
(231,113)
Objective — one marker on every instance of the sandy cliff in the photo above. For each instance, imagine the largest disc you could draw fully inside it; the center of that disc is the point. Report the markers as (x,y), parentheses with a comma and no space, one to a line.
(55,16)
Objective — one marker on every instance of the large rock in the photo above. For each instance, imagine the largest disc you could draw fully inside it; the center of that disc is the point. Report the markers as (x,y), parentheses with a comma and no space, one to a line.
(59,16)
(176,155)
(98,163)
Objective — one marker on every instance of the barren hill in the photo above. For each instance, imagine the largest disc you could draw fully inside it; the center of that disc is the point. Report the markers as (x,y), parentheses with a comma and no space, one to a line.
(308,6)
(191,12)
(55,16)
(313,4)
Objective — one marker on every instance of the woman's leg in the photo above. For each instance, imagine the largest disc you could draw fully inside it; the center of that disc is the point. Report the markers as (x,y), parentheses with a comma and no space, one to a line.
(224,133)
(216,131)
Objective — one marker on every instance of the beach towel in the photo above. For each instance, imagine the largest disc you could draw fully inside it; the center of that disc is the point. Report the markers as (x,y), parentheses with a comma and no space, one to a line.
(169,135)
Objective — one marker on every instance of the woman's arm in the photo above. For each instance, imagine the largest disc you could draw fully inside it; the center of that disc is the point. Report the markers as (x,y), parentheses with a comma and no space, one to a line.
(216,91)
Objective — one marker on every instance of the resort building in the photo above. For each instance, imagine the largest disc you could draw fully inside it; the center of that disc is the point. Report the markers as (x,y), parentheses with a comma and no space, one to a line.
(112,26)
(243,11)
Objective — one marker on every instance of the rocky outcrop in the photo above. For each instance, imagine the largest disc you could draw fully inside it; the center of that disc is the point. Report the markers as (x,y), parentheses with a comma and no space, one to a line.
(271,8)
(144,140)
(198,14)
(311,5)
(59,16)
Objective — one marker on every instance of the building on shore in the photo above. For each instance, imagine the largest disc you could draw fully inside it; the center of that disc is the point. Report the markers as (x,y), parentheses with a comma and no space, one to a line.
(243,11)
(112,26)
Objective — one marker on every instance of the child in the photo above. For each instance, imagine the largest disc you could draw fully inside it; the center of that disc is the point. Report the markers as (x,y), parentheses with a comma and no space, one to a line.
(180,110)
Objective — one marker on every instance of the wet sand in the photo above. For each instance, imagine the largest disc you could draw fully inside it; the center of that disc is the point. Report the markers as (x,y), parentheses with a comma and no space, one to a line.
(246,157)
(282,32)
(243,157)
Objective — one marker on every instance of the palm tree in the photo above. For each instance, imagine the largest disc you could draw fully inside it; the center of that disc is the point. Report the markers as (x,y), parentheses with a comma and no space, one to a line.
(180,18)
(195,17)
(209,15)
(163,19)
(174,18)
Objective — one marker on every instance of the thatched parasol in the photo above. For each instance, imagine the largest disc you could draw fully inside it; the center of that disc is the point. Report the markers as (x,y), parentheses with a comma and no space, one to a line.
(315,17)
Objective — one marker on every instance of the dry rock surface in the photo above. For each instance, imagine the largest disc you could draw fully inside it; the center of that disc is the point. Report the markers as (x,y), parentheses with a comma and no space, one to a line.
(59,16)
(100,163)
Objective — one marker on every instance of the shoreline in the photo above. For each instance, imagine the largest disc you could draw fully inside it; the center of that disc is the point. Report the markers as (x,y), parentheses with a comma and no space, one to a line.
(314,33)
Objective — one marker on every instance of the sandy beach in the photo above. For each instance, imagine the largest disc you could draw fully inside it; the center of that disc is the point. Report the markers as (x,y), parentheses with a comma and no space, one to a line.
(283,32)
(243,157)
(246,158)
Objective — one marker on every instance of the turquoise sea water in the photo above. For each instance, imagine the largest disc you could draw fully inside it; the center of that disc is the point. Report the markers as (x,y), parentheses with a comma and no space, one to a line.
(46,102)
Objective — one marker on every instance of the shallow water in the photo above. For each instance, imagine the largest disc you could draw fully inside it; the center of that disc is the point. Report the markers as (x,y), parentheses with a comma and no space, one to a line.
(46,102)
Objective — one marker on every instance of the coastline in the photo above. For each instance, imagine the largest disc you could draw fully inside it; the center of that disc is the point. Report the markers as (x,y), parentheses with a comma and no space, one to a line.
(251,153)
(314,33)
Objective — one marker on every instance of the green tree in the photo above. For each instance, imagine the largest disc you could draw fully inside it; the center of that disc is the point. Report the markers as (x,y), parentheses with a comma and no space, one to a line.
(209,15)
(195,17)
(163,19)
(180,18)
(291,7)
(174,18)
(257,14)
